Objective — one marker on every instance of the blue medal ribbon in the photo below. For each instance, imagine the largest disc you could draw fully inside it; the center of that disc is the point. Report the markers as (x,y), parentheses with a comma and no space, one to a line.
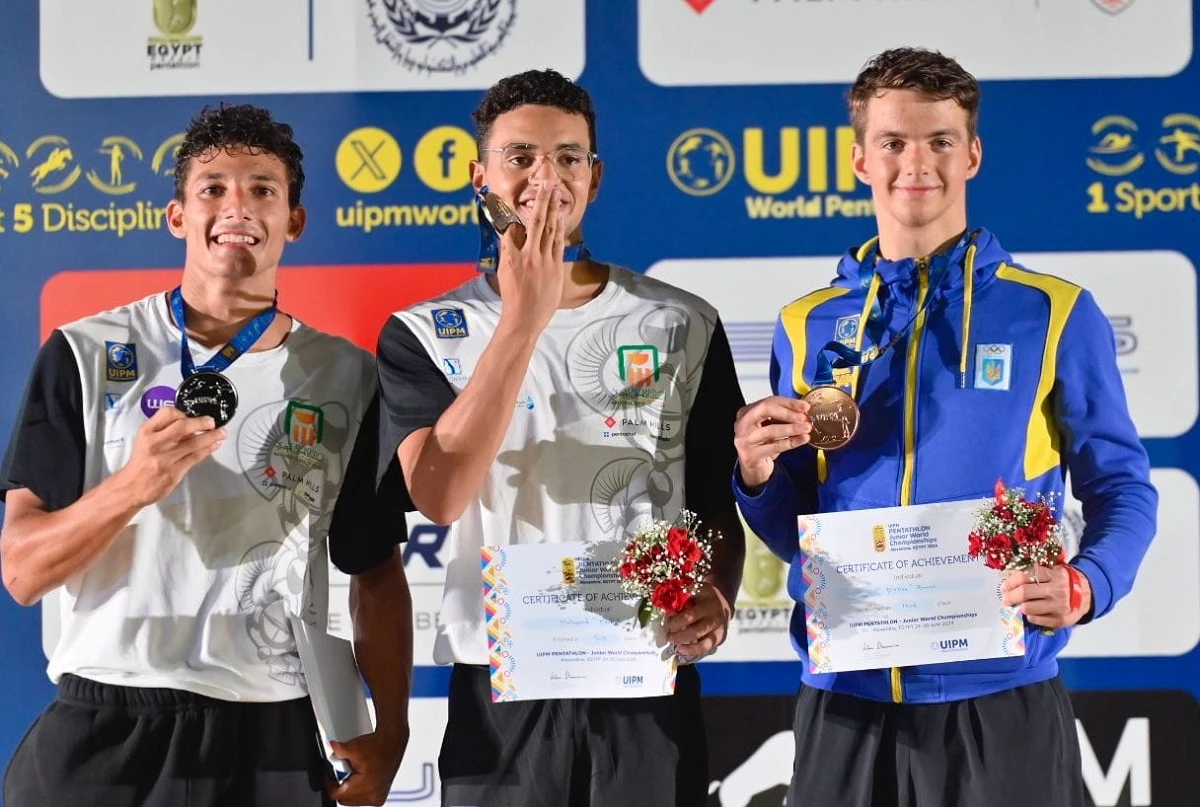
(489,242)
(848,357)
(239,344)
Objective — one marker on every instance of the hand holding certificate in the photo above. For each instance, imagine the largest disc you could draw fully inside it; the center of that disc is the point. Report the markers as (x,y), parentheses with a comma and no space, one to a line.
(559,625)
(895,587)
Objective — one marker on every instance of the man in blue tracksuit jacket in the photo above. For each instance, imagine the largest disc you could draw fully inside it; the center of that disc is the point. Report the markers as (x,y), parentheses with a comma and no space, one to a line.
(974,369)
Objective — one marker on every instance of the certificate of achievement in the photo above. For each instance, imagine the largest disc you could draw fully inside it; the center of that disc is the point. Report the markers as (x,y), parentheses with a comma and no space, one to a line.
(894,587)
(560,626)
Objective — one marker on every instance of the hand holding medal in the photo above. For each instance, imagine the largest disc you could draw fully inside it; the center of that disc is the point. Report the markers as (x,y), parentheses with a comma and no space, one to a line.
(764,430)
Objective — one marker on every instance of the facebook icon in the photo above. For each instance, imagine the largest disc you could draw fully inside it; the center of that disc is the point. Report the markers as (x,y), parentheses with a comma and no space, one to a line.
(447,157)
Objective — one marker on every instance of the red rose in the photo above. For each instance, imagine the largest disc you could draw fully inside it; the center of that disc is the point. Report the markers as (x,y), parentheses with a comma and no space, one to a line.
(670,597)
(974,544)
(1021,536)
(1000,491)
(1042,522)
(999,552)
(628,569)
(644,570)
(677,542)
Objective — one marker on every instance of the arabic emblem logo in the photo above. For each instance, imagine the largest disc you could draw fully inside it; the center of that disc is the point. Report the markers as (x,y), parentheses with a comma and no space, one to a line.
(441,36)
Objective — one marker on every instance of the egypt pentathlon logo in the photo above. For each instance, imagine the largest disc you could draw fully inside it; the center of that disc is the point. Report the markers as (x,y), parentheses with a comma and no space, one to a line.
(175,47)
(441,36)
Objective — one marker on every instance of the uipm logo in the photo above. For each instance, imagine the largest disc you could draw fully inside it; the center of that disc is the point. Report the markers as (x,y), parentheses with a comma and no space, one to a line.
(950,645)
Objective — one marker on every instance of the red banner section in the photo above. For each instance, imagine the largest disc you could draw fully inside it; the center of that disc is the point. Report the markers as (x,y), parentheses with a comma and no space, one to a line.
(352,301)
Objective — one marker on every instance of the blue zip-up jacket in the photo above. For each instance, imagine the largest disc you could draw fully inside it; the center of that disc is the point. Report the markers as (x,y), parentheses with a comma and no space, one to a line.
(1006,374)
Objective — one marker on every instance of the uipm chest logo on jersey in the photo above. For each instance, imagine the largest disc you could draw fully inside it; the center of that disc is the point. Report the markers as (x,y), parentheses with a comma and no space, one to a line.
(450,323)
(845,330)
(993,366)
(120,361)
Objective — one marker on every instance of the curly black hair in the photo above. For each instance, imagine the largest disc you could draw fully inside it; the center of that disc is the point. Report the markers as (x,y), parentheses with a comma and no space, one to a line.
(237,128)
(542,87)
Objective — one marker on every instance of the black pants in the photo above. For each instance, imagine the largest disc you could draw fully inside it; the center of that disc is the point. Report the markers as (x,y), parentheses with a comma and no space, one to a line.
(604,752)
(98,745)
(1017,747)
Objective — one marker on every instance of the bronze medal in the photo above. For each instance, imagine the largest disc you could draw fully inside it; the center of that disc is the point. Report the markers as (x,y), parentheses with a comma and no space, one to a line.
(834,416)
(499,214)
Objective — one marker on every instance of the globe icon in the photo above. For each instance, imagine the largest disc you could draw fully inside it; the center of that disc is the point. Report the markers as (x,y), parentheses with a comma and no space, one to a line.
(700,162)
(120,356)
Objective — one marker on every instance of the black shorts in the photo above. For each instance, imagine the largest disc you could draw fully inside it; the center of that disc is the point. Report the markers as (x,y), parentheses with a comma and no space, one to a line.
(99,745)
(1017,747)
(573,753)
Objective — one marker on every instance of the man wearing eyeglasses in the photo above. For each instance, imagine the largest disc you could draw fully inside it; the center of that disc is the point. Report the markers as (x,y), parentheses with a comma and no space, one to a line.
(558,398)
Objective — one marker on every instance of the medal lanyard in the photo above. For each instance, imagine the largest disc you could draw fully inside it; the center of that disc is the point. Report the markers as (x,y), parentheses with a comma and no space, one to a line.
(852,357)
(236,346)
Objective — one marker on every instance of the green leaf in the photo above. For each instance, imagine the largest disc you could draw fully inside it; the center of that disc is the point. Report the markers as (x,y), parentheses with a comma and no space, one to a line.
(645,612)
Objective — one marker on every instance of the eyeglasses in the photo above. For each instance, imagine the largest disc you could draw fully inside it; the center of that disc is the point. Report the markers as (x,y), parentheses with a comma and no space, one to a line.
(570,162)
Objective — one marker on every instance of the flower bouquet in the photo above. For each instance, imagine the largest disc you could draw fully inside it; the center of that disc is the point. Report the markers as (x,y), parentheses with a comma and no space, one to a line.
(1015,533)
(665,563)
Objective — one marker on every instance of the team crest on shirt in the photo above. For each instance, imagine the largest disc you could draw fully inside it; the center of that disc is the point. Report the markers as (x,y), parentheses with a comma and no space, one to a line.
(450,323)
(298,462)
(120,361)
(993,366)
(845,330)
(304,424)
(638,368)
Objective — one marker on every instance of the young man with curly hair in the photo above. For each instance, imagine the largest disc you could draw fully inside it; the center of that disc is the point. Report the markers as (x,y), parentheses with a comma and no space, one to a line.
(172,476)
(504,404)
(972,368)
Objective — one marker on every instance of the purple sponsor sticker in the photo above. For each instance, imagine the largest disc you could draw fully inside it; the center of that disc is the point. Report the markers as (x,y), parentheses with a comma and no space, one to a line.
(156,398)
